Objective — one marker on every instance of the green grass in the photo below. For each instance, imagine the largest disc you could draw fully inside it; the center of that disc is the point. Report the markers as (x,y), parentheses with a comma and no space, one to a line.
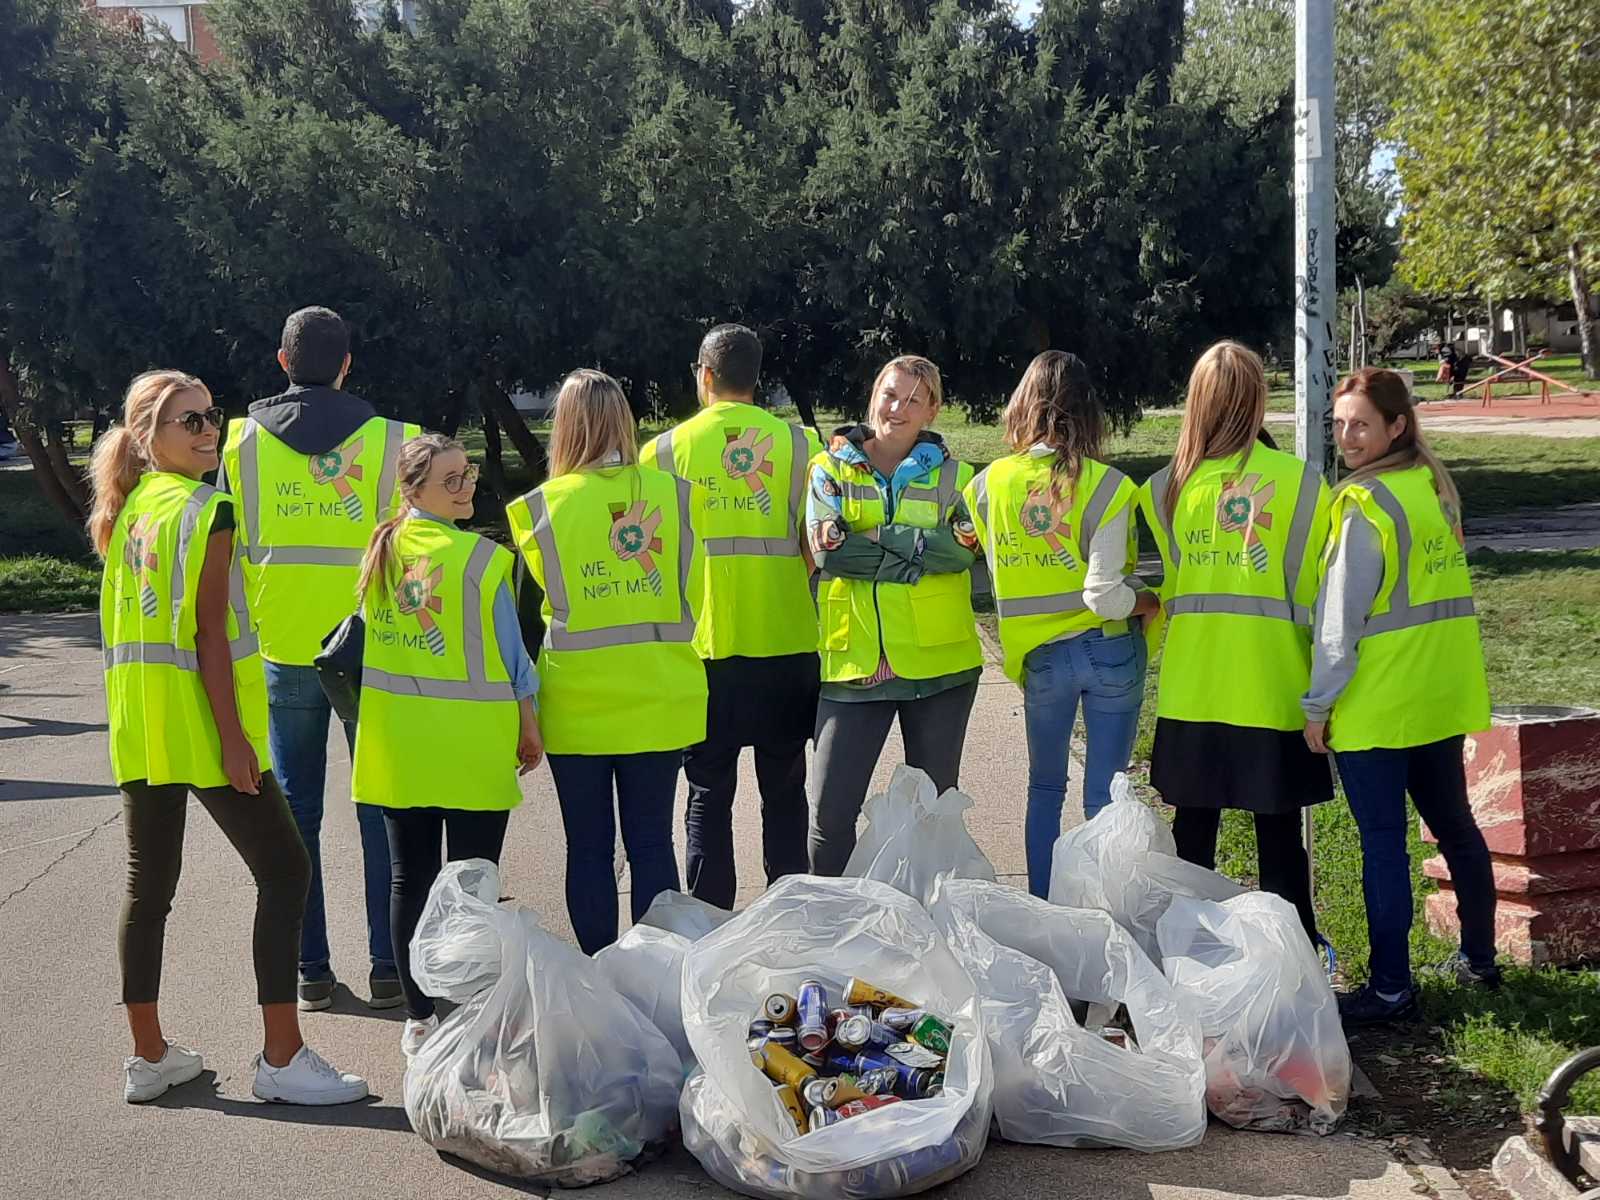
(1566,368)
(45,564)
(40,583)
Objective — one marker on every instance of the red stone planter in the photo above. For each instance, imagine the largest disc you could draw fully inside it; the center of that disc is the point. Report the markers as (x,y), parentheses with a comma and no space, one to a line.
(1534,784)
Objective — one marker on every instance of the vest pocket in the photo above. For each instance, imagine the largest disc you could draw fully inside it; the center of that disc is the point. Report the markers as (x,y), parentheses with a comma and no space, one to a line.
(836,622)
(938,617)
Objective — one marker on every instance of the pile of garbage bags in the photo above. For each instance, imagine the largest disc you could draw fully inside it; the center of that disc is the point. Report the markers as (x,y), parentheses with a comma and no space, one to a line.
(1144,994)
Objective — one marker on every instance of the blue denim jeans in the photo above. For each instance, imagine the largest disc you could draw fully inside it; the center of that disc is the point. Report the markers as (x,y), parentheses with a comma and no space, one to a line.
(594,790)
(297,727)
(1375,784)
(1107,675)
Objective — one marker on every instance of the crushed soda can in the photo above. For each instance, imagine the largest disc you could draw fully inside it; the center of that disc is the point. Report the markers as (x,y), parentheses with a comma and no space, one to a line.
(790,1099)
(820,1092)
(931,1032)
(913,1055)
(859,991)
(813,1016)
(780,1066)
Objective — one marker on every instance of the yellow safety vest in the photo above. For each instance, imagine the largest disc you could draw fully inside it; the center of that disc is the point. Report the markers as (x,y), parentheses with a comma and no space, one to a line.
(1419,670)
(927,628)
(162,729)
(304,521)
(752,466)
(1241,560)
(618,554)
(1039,558)
(438,723)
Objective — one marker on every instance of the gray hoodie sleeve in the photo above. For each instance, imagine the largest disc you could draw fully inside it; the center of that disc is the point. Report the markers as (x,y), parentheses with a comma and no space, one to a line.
(1348,591)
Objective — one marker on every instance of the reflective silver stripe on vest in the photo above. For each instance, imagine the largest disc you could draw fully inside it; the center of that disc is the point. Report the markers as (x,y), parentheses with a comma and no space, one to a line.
(188,523)
(559,637)
(949,475)
(664,453)
(758,547)
(1402,613)
(1095,512)
(471,610)
(162,654)
(435,689)
(1041,606)
(249,485)
(1242,606)
(980,494)
(1158,505)
(800,469)
(1305,509)
(245,643)
(394,436)
(869,491)
(304,556)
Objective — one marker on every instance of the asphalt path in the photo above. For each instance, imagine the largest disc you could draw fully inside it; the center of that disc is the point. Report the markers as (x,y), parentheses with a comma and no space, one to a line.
(67,1133)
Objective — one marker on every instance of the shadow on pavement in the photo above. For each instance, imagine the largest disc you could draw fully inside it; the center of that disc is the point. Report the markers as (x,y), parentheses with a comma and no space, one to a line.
(202,1094)
(47,789)
(347,1004)
(27,727)
(46,635)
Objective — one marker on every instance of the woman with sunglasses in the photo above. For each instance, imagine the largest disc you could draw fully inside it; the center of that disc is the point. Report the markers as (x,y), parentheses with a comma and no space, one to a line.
(187,708)
(447,718)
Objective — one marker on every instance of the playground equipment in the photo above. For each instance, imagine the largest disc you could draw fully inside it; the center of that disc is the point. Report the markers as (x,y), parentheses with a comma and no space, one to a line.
(1522,372)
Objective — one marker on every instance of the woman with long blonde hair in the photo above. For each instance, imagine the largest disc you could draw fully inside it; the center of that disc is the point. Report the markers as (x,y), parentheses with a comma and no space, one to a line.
(447,693)
(1240,527)
(186,704)
(617,550)
(1398,681)
(890,533)
(1056,526)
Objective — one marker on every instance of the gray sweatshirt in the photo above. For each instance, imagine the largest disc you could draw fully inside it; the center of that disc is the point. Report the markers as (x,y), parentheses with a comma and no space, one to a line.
(1348,591)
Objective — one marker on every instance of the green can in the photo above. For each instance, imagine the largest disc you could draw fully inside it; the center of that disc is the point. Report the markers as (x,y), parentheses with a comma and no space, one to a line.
(932,1033)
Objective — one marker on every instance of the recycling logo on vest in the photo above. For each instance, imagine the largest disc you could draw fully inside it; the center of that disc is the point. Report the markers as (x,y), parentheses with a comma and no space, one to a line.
(748,456)
(634,539)
(1242,508)
(138,552)
(338,467)
(414,598)
(1040,519)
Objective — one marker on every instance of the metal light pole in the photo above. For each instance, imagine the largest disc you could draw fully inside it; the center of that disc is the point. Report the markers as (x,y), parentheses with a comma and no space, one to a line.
(1316,292)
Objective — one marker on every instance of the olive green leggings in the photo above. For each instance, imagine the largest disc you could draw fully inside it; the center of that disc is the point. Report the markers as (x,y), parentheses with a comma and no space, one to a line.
(261,830)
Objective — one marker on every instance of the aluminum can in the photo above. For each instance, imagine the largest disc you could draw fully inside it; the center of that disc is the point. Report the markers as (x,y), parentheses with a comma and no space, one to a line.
(780,1066)
(902,1018)
(821,1118)
(916,1083)
(914,1055)
(850,1062)
(791,1101)
(878,1082)
(859,991)
(783,1035)
(755,1043)
(865,1105)
(760,1027)
(820,1093)
(852,1032)
(813,1015)
(779,1008)
(933,1033)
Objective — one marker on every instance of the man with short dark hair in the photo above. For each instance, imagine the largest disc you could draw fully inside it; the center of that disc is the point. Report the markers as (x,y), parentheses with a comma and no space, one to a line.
(758,629)
(314,469)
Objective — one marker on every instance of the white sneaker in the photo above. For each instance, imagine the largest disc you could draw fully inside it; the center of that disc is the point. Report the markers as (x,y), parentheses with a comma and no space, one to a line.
(417,1032)
(144,1080)
(308,1078)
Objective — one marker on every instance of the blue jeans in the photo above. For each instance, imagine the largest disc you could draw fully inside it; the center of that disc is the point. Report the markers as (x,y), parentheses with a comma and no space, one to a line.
(646,785)
(297,729)
(1375,784)
(1107,675)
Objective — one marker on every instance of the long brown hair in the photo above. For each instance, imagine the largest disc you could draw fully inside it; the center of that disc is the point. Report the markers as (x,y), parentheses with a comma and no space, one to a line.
(1054,404)
(380,565)
(124,453)
(1387,393)
(1223,413)
(592,422)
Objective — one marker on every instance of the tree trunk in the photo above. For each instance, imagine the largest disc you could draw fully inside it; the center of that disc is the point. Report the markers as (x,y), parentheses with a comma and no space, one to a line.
(66,501)
(497,405)
(494,465)
(1578,280)
(71,478)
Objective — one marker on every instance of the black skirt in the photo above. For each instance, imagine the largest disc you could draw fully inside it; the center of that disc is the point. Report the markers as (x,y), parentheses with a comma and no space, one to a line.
(1205,764)
(762,701)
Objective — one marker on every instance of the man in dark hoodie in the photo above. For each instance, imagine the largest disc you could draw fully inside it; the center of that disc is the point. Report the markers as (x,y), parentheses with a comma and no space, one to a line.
(314,471)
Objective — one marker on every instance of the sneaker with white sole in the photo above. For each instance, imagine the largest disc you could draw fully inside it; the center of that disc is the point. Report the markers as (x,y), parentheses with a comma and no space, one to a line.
(307,1078)
(145,1080)
(416,1033)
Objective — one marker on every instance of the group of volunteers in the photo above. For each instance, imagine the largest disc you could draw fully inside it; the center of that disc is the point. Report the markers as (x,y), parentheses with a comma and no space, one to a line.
(733,584)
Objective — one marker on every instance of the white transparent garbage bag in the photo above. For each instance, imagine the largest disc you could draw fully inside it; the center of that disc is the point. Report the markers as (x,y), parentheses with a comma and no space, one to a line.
(1056,1082)
(681,913)
(1125,862)
(545,1071)
(914,836)
(829,930)
(646,965)
(1276,1057)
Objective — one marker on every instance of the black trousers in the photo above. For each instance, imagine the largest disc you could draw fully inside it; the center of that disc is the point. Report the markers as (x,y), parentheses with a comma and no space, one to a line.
(1282,854)
(415,838)
(770,704)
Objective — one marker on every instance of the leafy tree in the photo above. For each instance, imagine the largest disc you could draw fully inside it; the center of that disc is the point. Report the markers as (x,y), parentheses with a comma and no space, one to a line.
(1497,110)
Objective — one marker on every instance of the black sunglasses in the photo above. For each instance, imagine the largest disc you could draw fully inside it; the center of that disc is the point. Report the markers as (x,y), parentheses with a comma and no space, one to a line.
(195,420)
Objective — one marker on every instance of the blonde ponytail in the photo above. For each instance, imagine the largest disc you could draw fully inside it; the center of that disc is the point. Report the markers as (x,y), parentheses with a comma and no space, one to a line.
(123,454)
(380,565)
(1223,413)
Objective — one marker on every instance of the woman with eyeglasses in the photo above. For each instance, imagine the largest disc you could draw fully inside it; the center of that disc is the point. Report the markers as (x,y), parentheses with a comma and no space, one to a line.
(186,700)
(447,716)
